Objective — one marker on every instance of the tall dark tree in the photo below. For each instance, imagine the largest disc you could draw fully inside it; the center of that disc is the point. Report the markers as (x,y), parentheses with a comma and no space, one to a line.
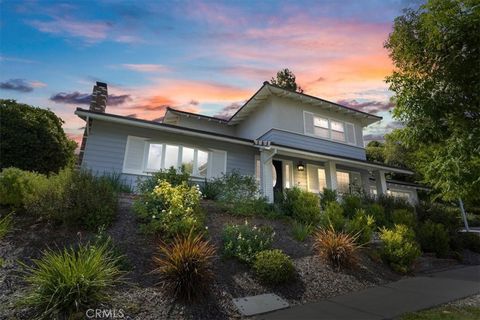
(436,53)
(287,80)
(33,139)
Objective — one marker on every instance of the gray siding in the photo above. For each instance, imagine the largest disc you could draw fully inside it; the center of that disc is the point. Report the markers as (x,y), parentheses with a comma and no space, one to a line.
(314,144)
(105,148)
(205,125)
(287,114)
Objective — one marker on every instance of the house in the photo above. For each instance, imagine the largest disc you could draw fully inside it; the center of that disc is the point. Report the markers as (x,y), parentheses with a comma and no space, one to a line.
(283,138)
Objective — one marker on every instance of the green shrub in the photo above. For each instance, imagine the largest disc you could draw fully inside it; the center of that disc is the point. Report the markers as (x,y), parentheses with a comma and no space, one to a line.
(250,207)
(405,217)
(338,248)
(301,205)
(236,187)
(211,190)
(116,181)
(92,201)
(378,213)
(333,217)
(351,203)
(6,224)
(244,242)
(390,203)
(466,240)
(18,186)
(434,238)
(69,281)
(186,266)
(362,225)
(172,210)
(449,217)
(301,231)
(273,266)
(399,248)
(171,175)
(327,196)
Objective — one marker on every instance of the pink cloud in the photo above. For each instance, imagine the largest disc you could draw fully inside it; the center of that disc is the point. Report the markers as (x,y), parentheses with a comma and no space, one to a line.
(90,32)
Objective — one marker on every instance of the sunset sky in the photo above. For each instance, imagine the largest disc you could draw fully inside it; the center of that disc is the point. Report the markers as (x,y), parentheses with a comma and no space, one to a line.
(206,57)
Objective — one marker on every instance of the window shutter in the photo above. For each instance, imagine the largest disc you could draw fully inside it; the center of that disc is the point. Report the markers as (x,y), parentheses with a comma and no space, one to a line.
(217,163)
(350,133)
(308,118)
(134,155)
(312,178)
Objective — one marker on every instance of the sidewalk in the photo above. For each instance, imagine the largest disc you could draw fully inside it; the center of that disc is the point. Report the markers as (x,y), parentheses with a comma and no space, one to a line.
(390,300)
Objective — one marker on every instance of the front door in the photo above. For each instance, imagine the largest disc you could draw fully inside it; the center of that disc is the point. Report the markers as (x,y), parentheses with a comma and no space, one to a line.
(277,178)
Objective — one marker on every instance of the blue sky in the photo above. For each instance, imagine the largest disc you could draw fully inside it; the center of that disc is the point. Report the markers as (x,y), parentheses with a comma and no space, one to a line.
(207,57)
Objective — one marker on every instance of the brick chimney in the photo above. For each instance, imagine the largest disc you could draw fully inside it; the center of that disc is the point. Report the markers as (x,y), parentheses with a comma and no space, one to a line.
(99,97)
(97,104)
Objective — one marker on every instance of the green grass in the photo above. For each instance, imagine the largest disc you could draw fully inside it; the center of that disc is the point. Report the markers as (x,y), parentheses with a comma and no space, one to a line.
(445,313)
(301,231)
(5,225)
(65,282)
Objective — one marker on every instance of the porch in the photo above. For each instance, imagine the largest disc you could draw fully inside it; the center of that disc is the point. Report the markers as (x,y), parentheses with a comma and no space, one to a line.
(278,168)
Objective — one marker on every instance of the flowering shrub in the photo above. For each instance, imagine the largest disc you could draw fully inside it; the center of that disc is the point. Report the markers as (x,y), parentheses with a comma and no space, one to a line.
(244,241)
(170,209)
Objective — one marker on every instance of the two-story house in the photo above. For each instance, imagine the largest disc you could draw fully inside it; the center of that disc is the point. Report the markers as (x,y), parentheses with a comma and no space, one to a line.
(283,138)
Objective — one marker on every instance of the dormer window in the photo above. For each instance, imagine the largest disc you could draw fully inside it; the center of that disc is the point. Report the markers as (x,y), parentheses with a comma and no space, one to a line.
(328,128)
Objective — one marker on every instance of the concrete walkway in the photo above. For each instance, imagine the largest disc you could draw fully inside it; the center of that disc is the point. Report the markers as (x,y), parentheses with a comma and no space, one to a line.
(390,300)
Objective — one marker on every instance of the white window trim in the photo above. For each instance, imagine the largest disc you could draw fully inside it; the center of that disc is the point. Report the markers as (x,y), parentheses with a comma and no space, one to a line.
(330,129)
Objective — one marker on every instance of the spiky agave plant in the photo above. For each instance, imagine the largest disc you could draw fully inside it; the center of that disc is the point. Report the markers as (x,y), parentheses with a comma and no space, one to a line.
(338,248)
(185,266)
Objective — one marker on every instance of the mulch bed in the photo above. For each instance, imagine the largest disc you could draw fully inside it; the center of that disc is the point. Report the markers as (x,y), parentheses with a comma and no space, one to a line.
(143,298)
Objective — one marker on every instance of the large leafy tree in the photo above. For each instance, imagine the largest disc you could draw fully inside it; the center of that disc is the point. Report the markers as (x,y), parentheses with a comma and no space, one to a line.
(436,53)
(33,139)
(287,80)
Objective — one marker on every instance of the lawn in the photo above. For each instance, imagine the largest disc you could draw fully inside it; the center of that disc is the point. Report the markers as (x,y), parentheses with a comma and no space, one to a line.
(446,313)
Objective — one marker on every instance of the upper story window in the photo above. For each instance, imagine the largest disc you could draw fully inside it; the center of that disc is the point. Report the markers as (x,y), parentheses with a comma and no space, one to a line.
(331,129)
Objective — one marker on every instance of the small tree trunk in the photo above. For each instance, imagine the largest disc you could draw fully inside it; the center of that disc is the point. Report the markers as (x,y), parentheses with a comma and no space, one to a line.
(464,216)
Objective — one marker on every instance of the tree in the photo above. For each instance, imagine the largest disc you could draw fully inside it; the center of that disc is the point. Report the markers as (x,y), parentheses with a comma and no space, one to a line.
(375,151)
(286,79)
(436,82)
(33,139)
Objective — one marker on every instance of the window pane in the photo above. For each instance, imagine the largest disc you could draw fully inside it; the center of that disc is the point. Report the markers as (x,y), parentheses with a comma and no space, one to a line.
(320,122)
(337,126)
(322,180)
(343,181)
(187,159)
(321,132)
(202,163)
(171,156)
(154,157)
(339,136)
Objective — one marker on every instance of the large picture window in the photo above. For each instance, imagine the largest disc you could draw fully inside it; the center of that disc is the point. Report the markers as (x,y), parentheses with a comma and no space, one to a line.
(343,182)
(164,156)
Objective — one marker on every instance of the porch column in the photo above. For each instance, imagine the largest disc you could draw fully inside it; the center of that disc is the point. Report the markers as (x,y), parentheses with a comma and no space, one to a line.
(266,180)
(365,176)
(331,175)
(381,182)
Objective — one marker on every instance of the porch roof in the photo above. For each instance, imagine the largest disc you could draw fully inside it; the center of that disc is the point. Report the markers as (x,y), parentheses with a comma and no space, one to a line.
(319,156)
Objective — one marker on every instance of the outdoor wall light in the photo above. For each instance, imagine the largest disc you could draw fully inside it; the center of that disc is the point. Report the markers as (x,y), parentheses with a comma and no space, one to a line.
(300,166)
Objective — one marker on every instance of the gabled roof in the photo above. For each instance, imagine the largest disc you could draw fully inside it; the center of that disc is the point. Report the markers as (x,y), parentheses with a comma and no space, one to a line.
(268,90)
(171,115)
